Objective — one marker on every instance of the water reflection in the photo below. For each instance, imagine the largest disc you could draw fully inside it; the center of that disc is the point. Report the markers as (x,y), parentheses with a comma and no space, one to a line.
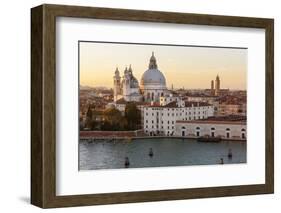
(155,152)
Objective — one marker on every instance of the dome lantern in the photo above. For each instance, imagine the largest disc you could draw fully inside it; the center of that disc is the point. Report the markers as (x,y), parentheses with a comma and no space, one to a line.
(152,62)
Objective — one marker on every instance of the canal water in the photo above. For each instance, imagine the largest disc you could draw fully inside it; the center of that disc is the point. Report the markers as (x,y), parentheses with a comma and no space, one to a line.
(166,152)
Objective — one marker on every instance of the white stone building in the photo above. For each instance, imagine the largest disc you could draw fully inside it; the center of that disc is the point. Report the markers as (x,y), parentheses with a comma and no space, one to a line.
(161,119)
(128,87)
(151,88)
(202,98)
(164,100)
(153,82)
(226,127)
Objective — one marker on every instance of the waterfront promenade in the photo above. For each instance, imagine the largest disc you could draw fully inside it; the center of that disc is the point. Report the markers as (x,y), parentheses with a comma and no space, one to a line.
(130,135)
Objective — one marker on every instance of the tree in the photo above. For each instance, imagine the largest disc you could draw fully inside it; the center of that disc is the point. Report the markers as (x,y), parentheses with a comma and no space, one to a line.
(89,112)
(133,116)
(113,120)
(89,116)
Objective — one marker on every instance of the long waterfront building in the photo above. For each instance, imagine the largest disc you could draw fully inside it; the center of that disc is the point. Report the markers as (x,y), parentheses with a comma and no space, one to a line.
(225,127)
(161,119)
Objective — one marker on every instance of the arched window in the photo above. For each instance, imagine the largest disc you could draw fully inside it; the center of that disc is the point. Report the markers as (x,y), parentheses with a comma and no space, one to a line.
(227,129)
(213,132)
(243,135)
(183,127)
(197,131)
(227,135)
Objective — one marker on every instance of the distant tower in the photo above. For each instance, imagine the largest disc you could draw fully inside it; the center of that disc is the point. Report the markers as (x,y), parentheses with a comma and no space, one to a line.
(130,71)
(126,82)
(212,88)
(217,89)
(117,84)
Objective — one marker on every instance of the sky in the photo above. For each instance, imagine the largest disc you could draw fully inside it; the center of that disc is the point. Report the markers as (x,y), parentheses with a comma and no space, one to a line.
(183,66)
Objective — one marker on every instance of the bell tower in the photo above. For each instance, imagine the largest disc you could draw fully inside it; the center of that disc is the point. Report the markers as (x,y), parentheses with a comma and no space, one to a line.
(217,87)
(212,88)
(117,84)
(126,83)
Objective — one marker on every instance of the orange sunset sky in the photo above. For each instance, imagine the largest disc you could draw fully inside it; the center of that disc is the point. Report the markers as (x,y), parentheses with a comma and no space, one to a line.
(183,66)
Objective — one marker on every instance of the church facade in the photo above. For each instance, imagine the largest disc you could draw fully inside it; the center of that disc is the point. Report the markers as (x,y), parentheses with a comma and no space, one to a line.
(160,109)
(152,85)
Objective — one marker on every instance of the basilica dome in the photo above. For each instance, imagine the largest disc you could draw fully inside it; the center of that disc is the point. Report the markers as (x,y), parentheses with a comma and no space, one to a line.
(153,78)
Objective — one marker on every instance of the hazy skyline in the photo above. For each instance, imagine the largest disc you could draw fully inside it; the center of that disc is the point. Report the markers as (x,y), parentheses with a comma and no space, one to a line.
(182,66)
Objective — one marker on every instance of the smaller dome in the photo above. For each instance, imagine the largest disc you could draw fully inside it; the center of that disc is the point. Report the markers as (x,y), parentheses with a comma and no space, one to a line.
(134,82)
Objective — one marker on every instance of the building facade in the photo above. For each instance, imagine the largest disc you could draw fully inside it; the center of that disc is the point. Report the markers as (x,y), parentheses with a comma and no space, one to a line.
(128,87)
(213,127)
(161,119)
(153,82)
(151,88)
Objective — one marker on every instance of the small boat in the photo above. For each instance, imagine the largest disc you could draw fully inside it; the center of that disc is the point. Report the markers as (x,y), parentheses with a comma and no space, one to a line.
(209,139)
(127,162)
(150,152)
